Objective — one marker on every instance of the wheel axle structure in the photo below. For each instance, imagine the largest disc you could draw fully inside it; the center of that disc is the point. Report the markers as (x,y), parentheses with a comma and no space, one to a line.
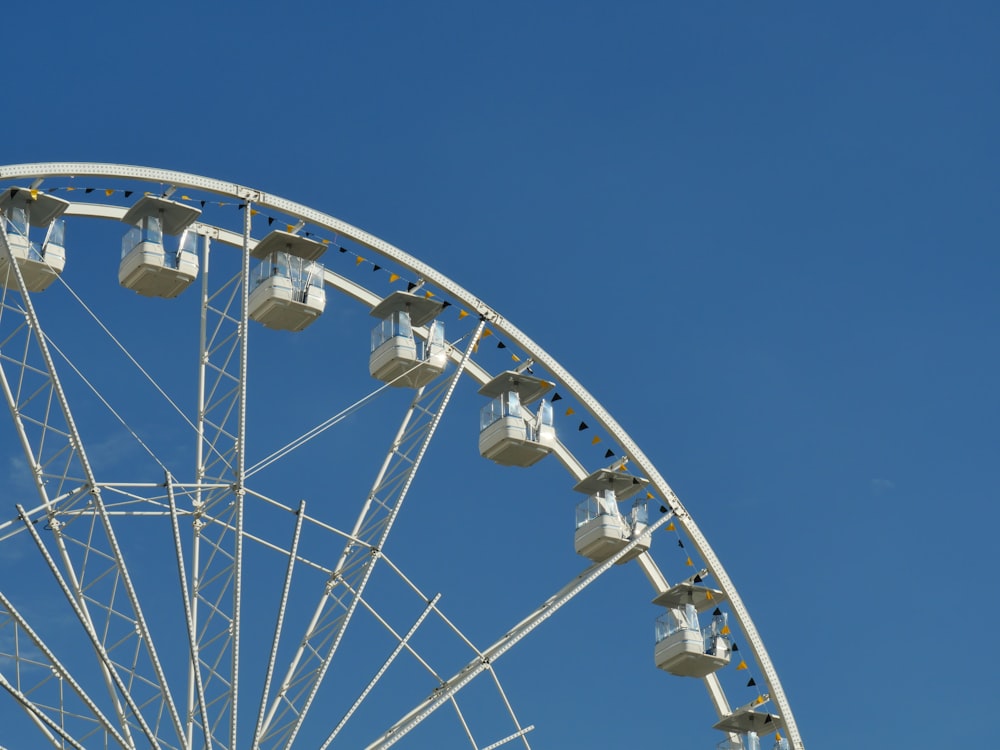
(172,581)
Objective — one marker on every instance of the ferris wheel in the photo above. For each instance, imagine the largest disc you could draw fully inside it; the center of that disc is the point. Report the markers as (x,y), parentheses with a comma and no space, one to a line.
(204,540)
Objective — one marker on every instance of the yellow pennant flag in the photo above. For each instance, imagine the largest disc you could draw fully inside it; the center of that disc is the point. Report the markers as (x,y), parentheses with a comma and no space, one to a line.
(359,261)
(595,441)
(34,194)
(649,495)
(109,192)
(393,277)
(569,411)
(760,699)
(428,295)
(71,188)
(708,595)
(725,630)
(741,665)
(515,358)
(487,332)
(777,735)
(689,563)
(671,527)
(462,314)
(254,212)
(185,197)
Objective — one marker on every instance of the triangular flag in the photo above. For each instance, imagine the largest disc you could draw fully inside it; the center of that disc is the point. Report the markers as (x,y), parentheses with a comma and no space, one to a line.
(254,212)
(569,411)
(462,314)
(342,249)
(583,426)
(185,198)
(596,440)
(760,699)
(609,453)
(741,665)
(725,630)
(376,268)
(109,192)
(697,579)
(768,720)
(717,612)
(734,647)
(501,345)
(689,563)
(751,682)
(88,191)
(777,736)
(359,261)
(393,277)
(671,527)
(128,194)
(680,544)
(487,332)
(708,595)
(649,495)
(70,188)
(515,358)
(270,221)
(428,294)
(556,397)
(445,304)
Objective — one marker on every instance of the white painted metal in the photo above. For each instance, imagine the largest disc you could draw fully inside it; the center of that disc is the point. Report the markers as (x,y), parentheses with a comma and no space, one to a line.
(216,458)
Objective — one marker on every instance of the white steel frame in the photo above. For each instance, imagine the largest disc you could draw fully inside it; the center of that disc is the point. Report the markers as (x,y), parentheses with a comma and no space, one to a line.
(87,564)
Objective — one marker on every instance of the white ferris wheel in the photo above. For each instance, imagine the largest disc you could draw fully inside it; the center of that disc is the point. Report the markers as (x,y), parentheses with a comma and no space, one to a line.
(196,556)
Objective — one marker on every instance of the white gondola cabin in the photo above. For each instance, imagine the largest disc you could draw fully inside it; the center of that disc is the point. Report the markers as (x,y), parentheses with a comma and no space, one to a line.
(287,290)
(683,647)
(601,528)
(40,264)
(397,356)
(750,725)
(149,266)
(508,434)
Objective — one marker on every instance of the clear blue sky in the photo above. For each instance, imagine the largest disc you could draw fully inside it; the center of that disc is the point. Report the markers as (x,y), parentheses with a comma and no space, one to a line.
(764,236)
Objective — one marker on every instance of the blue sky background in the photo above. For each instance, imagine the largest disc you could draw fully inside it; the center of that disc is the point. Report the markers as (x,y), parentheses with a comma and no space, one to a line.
(763,236)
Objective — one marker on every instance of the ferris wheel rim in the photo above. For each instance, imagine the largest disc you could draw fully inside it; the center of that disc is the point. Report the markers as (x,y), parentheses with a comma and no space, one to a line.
(428,274)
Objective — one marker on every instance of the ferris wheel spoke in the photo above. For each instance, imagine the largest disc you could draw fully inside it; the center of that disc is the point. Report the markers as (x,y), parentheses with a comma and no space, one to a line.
(217,546)
(346,586)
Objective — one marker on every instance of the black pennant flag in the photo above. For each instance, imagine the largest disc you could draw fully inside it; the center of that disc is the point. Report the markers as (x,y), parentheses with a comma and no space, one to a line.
(376,268)
(752,682)
(270,220)
(556,397)
(717,612)
(501,345)
(609,453)
(128,194)
(582,427)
